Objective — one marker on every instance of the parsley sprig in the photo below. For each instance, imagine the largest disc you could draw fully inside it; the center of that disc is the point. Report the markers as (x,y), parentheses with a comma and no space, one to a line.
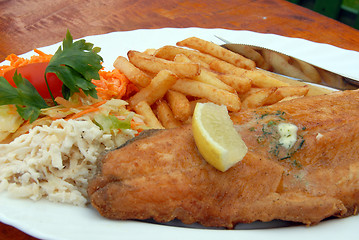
(25,97)
(75,64)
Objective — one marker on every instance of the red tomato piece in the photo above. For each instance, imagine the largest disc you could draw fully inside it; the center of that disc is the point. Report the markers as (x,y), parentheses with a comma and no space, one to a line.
(35,73)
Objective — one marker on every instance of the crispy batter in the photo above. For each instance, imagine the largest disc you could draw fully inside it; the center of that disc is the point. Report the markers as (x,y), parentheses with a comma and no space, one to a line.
(162,176)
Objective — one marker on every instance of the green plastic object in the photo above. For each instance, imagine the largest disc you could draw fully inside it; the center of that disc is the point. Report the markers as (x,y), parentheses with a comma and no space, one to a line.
(356,24)
(294,1)
(345,11)
(328,8)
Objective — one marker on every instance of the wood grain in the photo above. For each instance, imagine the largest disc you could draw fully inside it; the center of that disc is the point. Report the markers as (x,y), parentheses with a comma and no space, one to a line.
(25,25)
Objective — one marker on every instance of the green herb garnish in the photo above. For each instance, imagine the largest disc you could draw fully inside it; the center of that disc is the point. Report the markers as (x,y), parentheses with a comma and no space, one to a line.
(252,129)
(76,64)
(25,97)
(271,123)
(297,164)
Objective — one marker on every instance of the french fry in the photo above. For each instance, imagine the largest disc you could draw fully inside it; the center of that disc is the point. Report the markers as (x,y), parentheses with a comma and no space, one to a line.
(170,52)
(205,76)
(133,74)
(182,58)
(196,59)
(263,80)
(213,94)
(313,89)
(150,51)
(155,90)
(249,52)
(154,64)
(224,67)
(286,92)
(165,115)
(243,96)
(145,110)
(217,51)
(179,104)
(257,98)
(210,78)
(241,84)
(258,78)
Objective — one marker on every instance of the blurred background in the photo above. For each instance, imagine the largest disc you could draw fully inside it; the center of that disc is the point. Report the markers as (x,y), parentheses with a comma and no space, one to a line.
(345,11)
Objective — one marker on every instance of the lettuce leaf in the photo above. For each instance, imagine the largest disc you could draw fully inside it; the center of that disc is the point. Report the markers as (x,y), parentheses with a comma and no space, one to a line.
(110,122)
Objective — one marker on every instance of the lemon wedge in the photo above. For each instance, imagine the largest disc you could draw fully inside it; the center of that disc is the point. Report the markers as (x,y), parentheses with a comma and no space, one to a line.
(215,136)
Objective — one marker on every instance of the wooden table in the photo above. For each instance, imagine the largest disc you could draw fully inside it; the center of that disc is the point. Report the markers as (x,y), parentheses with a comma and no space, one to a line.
(25,25)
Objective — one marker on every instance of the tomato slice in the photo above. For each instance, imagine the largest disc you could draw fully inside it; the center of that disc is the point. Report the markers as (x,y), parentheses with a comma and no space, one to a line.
(35,73)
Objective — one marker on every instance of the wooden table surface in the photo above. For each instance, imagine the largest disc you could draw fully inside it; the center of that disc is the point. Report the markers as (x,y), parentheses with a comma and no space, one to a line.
(25,25)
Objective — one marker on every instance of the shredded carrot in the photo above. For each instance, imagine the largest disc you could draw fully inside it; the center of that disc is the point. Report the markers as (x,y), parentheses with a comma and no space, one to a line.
(135,124)
(113,84)
(98,103)
(62,101)
(138,132)
(16,61)
(87,109)
(83,112)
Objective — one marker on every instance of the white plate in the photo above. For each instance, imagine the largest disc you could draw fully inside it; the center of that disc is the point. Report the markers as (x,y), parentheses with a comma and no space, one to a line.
(48,220)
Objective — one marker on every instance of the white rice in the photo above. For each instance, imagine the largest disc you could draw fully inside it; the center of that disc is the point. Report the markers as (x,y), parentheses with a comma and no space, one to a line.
(56,161)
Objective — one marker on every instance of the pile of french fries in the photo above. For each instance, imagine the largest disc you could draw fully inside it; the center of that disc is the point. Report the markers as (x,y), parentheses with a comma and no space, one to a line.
(172,79)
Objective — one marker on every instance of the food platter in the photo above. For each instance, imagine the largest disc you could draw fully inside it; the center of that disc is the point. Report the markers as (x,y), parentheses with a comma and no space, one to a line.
(48,220)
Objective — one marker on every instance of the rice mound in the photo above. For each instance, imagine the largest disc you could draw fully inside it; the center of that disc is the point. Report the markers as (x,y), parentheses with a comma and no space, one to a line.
(56,161)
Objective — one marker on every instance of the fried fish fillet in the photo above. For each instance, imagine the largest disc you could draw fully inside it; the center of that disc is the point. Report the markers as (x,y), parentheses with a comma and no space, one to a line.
(161,175)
